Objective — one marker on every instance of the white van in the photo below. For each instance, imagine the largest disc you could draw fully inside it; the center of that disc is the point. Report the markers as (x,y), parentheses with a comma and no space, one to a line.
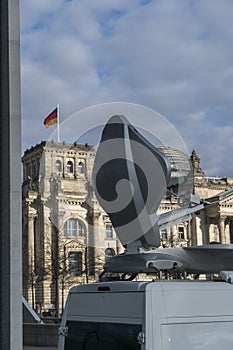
(159,315)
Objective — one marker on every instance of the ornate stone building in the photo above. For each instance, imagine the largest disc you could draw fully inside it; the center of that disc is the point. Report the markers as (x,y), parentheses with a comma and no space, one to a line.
(66,234)
(215,222)
(212,224)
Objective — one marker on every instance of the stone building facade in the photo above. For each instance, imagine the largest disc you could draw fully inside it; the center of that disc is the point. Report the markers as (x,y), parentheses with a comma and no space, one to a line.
(66,234)
(212,224)
(215,222)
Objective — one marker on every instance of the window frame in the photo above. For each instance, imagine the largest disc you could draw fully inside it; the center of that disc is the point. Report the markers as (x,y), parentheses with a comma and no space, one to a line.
(73,228)
(163,234)
(181,233)
(108,256)
(69,167)
(58,162)
(81,168)
(108,231)
(76,269)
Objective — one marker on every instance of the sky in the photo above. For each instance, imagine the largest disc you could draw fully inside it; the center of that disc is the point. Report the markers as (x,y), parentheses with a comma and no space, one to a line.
(173,56)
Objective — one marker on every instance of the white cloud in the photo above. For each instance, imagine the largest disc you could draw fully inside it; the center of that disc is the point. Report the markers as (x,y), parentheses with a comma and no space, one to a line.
(173,56)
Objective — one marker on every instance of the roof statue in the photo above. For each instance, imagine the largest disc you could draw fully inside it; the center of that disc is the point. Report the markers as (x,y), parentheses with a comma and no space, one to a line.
(130,178)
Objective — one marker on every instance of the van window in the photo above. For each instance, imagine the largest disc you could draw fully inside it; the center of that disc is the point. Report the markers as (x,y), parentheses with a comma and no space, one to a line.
(102,336)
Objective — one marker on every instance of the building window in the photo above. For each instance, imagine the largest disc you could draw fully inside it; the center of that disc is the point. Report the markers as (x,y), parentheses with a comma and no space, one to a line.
(81,168)
(75,261)
(70,167)
(73,228)
(181,232)
(58,166)
(109,252)
(108,230)
(163,233)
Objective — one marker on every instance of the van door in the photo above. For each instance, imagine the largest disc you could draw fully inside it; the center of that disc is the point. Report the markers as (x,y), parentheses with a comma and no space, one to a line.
(102,336)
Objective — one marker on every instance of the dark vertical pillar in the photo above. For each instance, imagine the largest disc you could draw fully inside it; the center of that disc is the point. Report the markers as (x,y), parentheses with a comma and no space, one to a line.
(4,183)
(231,231)
(10,183)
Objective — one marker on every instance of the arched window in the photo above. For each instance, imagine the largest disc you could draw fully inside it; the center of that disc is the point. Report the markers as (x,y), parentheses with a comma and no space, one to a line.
(75,262)
(74,228)
(109,252)
(58,166)
(81,168)
(108,230)
(70,167)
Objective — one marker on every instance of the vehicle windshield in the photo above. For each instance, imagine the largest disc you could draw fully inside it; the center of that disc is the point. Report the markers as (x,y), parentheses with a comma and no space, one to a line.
(102,336)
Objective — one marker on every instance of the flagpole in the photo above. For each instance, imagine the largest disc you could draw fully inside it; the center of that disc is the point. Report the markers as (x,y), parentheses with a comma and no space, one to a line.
(58,123)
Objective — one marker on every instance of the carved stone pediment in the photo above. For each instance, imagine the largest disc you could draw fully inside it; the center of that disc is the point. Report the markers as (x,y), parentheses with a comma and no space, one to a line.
(73,244)
(221,196)
(227,201)
(221,204)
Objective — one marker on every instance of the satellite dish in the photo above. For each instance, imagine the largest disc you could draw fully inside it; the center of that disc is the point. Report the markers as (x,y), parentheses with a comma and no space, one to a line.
(130,177)
(207,259)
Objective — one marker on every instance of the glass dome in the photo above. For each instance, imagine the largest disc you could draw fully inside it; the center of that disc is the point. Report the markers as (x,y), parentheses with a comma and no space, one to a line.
(180,162)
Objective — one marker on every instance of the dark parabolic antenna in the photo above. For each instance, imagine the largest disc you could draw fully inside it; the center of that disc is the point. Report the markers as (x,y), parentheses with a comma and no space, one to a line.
(130,177)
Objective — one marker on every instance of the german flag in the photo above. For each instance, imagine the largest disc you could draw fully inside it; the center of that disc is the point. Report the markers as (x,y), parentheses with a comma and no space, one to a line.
(51,118)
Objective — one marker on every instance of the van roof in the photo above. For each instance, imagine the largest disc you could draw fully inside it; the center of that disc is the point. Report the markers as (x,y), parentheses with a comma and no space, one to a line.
(140,286)
(114,286)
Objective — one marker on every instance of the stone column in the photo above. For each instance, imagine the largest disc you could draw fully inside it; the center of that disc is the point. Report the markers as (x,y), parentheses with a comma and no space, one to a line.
(60,221)
(96,230)
(31,258)
(173,236)
(199,233)
(189,234)
(204,227)
(227,232)
(221,227)
(93,241)
(186,232)
(31,239)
